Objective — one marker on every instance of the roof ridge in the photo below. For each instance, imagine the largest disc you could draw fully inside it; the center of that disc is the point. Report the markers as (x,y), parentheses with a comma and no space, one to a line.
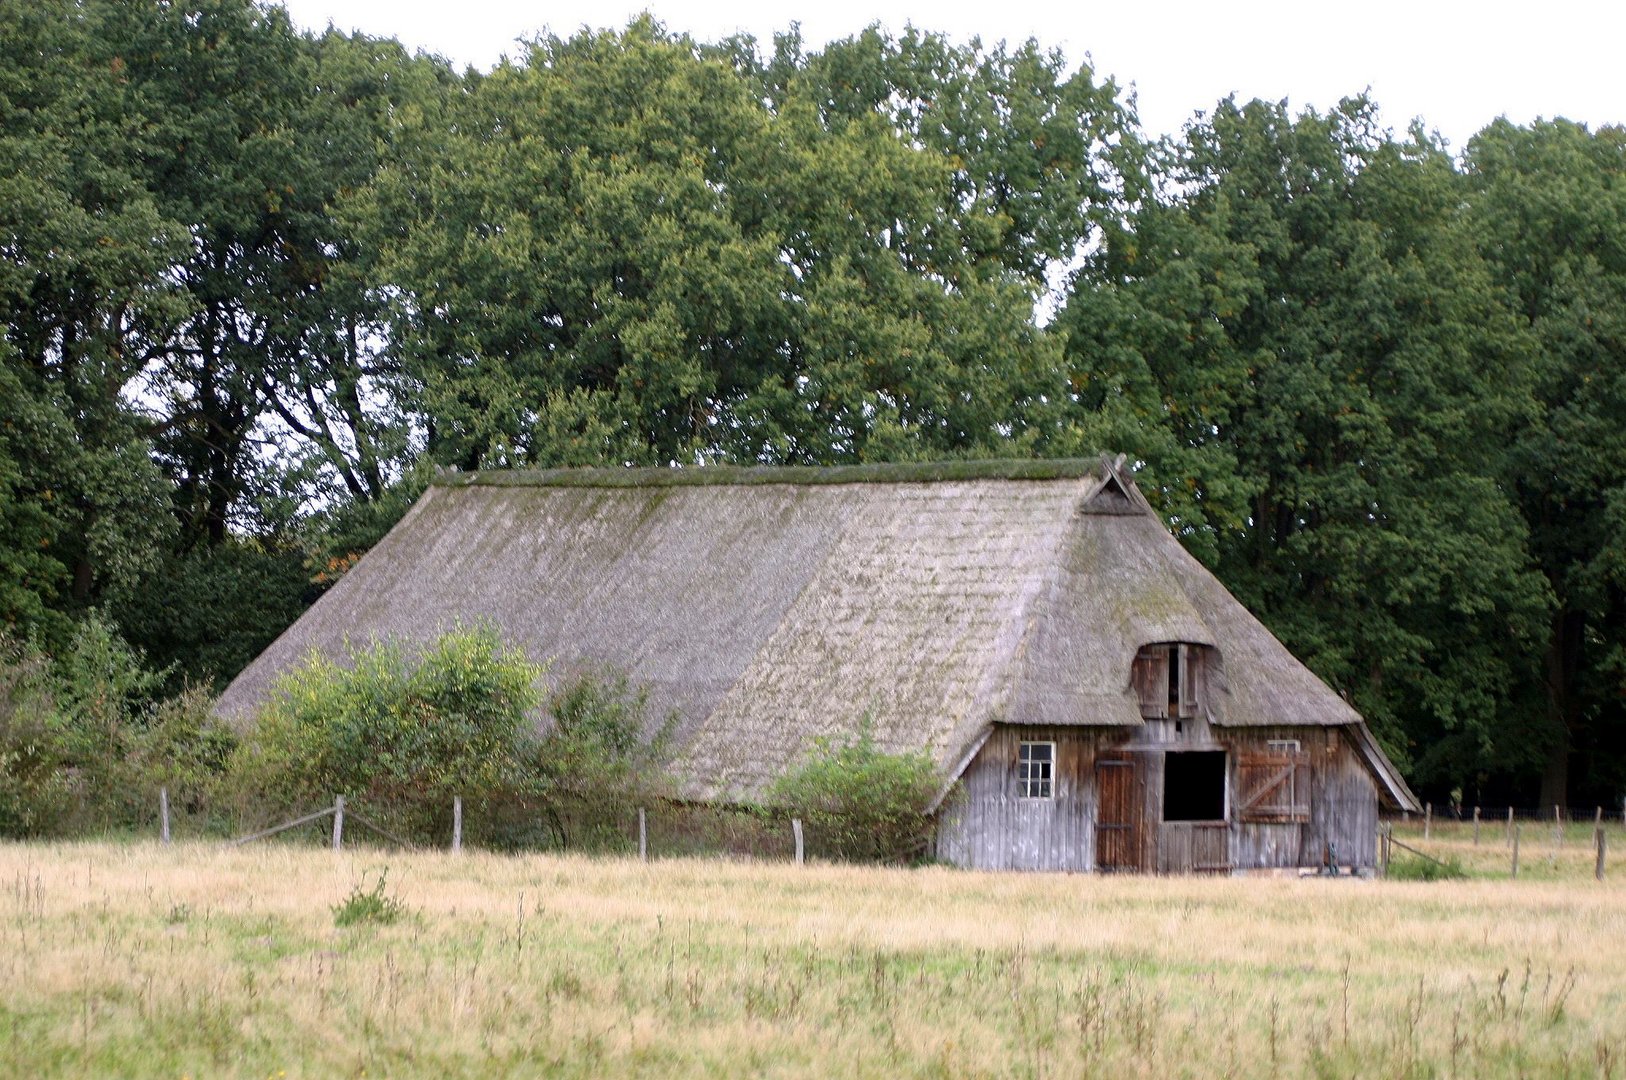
(926,472)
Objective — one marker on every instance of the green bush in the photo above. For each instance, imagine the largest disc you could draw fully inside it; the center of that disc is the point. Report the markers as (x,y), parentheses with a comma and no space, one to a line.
(601,758)
(399,732)
(33,781)
(371,906)
(859,802)
(85,743)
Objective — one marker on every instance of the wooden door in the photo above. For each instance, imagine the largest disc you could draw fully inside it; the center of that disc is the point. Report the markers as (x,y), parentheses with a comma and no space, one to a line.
(1273,808)
(1120,802)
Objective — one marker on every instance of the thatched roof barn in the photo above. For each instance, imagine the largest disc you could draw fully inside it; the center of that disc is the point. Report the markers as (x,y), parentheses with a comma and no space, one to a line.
(941,605)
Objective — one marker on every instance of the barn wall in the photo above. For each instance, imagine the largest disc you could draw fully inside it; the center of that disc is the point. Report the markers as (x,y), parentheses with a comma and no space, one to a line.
(1343,804)
(1345,812)
(988,826)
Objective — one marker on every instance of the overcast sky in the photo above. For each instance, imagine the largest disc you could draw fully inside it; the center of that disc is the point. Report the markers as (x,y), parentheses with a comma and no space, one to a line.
(1457,65)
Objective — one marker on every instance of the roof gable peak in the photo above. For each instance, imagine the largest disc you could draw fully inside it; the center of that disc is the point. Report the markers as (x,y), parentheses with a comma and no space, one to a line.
(1115,492)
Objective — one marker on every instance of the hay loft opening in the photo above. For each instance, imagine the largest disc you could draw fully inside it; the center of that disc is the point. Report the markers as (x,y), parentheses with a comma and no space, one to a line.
(1194,785)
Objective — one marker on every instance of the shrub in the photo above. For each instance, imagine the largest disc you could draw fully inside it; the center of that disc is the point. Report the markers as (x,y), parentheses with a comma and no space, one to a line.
(124,743)
(33,783)
(860,802)
(84,745)
(179,744)
(400,731)
(601,758)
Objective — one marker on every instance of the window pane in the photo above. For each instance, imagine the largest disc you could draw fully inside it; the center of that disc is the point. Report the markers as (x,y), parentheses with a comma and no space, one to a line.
(1035,763)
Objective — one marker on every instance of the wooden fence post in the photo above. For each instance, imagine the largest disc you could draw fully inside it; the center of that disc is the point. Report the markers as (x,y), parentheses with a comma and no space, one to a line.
(163,814)
(796,831)
(1510,824)
(338,822)
(1558,830)
(1603,848)
(1476,826)
(1516,851)
(457,823)
(643,836)
(1428,818)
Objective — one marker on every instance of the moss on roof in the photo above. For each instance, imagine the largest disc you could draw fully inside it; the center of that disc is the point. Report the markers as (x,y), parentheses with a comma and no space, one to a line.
(750,475)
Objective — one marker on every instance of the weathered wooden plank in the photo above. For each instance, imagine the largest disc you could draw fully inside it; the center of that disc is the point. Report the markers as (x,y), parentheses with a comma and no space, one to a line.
(1109,816)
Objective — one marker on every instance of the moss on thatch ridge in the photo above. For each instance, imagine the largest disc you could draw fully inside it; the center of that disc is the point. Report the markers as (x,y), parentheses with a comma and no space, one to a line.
(802,475)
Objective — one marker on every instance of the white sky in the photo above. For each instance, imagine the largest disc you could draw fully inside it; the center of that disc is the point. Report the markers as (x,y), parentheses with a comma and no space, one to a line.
(1456,64)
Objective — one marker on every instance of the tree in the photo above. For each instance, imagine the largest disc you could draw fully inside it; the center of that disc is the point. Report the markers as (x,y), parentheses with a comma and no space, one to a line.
(343,429)
(1549,208)
(630,248)
(1036,154)
(82,284)
(1300,338)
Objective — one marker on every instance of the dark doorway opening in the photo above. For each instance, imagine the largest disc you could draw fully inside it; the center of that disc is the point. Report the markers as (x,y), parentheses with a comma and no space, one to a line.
(1194,785)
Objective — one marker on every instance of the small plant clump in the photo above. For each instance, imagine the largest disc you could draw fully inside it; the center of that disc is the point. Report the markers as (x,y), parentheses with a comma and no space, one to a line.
(366,906)
(1416,869)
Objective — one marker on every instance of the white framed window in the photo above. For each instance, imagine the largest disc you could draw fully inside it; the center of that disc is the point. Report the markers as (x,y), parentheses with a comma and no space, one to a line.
(1036,770)
(1282,746)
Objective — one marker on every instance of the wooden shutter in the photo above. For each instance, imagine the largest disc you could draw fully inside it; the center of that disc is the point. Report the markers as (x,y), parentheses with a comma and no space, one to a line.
(1150,674)
(1191,660)
(1273,787)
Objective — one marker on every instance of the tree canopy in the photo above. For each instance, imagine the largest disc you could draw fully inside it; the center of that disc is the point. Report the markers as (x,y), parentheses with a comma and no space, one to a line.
(255,282)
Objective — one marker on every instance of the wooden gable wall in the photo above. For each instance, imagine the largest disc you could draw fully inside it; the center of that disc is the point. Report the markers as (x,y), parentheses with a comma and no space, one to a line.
(1285,806)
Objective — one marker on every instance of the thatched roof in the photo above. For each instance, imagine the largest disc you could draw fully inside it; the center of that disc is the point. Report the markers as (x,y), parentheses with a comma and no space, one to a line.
(771,606)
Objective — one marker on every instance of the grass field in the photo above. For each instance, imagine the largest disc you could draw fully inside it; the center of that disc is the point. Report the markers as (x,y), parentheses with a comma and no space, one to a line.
(138,960)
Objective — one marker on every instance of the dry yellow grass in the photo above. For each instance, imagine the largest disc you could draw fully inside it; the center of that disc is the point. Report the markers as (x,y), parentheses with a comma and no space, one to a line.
(196,960)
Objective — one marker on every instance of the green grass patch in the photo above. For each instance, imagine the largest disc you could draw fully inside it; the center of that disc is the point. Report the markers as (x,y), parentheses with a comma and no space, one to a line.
(1416,868)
